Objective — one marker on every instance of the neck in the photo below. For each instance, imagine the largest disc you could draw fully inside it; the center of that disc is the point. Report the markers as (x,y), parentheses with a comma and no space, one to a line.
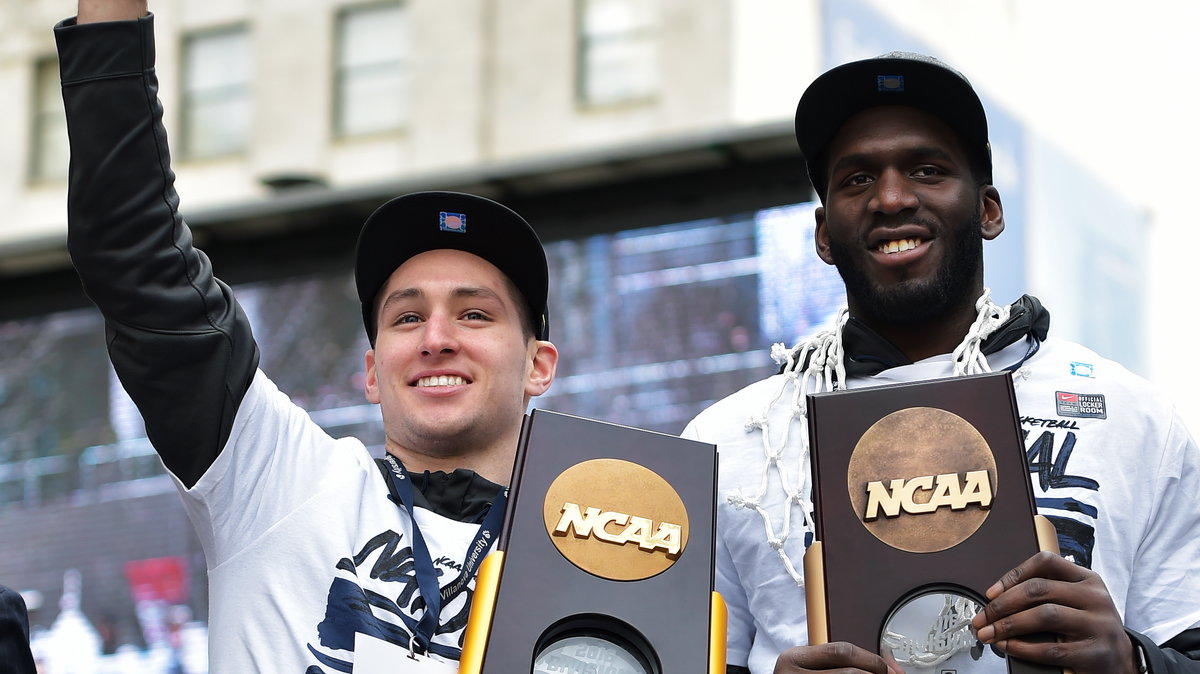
(494,466)
(918,341)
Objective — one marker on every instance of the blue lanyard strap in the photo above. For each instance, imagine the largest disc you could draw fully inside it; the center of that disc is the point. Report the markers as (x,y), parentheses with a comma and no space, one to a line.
(1035,345)
(400,486)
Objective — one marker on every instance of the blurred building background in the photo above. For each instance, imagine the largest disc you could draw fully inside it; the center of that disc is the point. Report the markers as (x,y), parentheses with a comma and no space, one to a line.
(649,142)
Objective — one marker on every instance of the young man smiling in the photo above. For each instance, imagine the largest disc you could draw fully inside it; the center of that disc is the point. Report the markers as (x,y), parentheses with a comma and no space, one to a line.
(320,559)
(897,150)
(444,375)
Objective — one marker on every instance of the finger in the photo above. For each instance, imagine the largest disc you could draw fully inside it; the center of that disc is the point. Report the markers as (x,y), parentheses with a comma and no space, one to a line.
(1041,565)
(1101,654)
(1038,620)
(838,656)
(1041,651)
(1087,594)
(893,667)
(1028,594)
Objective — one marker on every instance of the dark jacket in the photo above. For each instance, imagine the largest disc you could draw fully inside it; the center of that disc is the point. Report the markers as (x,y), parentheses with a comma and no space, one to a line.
(15,656)
(179,342)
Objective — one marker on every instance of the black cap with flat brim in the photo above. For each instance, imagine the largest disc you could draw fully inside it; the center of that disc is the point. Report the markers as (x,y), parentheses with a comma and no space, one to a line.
(423,221)
(895,78)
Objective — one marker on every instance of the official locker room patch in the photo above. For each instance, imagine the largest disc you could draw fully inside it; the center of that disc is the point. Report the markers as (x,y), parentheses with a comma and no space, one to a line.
(452,222)
(889,83)
(1082,405)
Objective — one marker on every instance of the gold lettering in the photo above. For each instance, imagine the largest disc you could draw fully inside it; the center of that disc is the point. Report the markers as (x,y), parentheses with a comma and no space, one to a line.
(879,496)
(947,490)
(600,528)
(947,493)
(595,523)
(908,498)
(978,489)
(571,518)
(639,530)
(669,537)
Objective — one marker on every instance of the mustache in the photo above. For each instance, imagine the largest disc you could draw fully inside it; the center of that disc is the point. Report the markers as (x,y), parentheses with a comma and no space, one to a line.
(885,222)
(894,221)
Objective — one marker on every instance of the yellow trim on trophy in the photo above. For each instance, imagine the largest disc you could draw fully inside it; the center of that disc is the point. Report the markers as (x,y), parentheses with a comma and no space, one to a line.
(1047,536)
(718,621)
(483,605)
(814,594)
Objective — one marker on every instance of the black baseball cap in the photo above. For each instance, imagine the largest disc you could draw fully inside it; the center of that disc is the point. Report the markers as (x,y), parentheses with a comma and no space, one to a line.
(895,78)
(422,221)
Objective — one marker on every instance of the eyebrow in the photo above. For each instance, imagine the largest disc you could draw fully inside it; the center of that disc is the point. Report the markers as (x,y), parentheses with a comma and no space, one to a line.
(460,292)
(922,152)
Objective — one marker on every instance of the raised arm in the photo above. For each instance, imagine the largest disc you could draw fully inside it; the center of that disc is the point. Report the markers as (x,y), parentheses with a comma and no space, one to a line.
(179,342)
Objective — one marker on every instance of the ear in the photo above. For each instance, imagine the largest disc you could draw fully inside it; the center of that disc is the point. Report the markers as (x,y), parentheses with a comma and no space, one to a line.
(821,236)
(543,364)
(991,212)
(371,386)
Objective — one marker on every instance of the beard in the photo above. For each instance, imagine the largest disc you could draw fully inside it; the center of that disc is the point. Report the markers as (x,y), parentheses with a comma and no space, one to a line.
(916,301)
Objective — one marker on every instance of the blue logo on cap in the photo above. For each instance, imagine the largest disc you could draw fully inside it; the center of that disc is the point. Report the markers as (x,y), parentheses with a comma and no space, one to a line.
(452,222)
(889,82)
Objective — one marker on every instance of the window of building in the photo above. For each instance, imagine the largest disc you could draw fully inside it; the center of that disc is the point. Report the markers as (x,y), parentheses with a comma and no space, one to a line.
(372,75)
(216,92)
(49,153)
(618,51)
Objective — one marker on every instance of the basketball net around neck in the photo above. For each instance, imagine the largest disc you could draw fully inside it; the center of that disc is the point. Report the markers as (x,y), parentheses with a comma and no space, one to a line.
(826,371)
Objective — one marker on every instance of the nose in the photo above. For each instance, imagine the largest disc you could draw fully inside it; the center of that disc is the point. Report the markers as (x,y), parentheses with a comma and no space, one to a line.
(893,193)
(439,336)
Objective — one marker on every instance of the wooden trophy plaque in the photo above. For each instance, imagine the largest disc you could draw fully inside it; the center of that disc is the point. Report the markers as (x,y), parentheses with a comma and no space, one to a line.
(605,561)
(922,501)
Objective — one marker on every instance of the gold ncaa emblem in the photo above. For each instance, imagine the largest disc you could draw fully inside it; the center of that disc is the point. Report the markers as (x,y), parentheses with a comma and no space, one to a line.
(616,519)
(922,479)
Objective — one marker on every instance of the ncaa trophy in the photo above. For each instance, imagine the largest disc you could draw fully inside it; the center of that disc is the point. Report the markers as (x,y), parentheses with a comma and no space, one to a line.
(605,561)
(922,501)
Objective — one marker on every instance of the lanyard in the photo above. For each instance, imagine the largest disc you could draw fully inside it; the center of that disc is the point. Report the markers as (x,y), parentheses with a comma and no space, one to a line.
(1035,345)
(401,490)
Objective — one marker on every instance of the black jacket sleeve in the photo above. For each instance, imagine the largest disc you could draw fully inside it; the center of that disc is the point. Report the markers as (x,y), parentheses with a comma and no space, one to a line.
(15,656)
(1179,655)
(179,342)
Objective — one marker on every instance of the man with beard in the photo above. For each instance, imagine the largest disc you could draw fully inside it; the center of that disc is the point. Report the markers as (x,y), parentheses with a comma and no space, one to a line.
(897,150)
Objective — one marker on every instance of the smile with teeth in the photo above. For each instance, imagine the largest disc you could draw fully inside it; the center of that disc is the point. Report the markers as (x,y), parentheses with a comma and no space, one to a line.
(898,246)
(440,380)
